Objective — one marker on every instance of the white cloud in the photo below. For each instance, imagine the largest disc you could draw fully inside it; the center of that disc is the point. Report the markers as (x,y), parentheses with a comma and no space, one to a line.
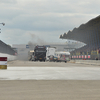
(7,1)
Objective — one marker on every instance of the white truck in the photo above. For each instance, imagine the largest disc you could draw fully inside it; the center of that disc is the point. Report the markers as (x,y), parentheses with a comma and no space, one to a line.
(50,52)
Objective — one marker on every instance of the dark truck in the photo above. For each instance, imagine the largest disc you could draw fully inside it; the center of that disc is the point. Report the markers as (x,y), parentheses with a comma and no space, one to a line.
(40,53)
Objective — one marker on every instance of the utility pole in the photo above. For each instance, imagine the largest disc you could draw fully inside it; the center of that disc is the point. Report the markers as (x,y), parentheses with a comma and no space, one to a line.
(3,25)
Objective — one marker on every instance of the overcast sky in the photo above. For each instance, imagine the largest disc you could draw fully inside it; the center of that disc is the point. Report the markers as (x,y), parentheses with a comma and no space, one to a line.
(43,20)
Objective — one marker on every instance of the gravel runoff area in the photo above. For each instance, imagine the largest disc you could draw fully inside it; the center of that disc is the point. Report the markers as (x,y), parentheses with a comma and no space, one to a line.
(50,90)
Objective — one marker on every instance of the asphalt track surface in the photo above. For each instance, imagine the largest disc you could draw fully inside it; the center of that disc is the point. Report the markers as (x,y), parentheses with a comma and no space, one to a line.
(57,81)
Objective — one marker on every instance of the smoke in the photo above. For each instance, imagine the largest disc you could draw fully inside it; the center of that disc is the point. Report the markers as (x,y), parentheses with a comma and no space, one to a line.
(35,40)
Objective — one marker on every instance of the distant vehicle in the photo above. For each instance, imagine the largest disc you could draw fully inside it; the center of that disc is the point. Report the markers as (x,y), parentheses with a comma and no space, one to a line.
(50,53)
(40,53)
(62,56)
(31,55)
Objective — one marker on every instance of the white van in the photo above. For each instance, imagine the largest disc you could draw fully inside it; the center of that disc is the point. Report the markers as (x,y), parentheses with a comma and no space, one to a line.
(62,56)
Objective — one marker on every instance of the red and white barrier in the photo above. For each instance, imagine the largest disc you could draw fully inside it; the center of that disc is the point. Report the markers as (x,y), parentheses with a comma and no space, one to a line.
(9,57)
(85,56)
(89,56)
(3,62)
(79,56)
(82,56)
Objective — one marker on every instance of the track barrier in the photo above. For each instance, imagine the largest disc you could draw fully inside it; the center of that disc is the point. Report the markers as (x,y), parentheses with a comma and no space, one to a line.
(3,62)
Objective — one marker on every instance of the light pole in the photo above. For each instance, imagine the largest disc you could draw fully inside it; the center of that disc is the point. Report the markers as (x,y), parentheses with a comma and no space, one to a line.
(2,24)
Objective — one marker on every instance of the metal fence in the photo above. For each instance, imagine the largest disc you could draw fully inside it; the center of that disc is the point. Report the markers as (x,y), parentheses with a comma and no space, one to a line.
(4,48)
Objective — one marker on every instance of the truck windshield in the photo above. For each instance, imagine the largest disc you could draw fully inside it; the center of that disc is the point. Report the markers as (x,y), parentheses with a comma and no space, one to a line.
(40,50)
